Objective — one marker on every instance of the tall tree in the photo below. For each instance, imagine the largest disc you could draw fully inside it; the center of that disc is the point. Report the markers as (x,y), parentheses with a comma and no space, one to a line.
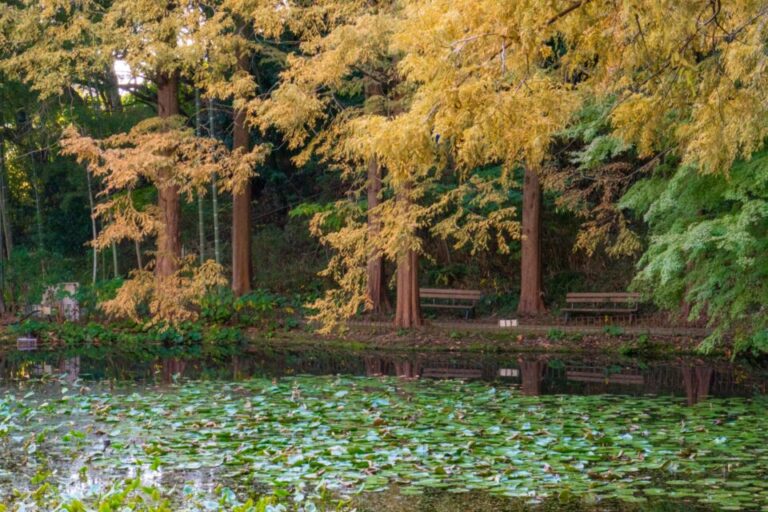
(531,293)
(376,289)
(396,128)
(242,262)
(5,224)
(408,306)
(164,152)
(214,190)
(200,209)
(147,35)
(351,56)
(168,200)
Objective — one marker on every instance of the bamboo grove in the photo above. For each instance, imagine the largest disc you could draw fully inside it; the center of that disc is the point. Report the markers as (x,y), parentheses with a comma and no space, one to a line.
(472,126)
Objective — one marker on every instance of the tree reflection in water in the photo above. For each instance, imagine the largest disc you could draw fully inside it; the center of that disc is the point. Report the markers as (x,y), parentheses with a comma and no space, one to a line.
(532,375)
(696,380)
(171,366)
(70,368)
(407,369)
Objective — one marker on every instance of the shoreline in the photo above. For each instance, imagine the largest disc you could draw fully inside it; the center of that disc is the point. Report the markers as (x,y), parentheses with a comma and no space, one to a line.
(488,338)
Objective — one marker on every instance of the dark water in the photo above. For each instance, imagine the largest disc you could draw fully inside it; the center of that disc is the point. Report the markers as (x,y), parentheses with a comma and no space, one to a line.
(535,374)
(556,397)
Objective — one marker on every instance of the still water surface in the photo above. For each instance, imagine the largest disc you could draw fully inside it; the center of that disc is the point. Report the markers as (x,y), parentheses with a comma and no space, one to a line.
(612,433)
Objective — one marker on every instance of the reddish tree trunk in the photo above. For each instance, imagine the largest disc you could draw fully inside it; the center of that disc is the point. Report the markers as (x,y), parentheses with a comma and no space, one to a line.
(531,302)
(242,264)
(406,370)
(408,312)
(374,367)
(172,366)
(408,309)
(532,375)
(169,237)
(376,289)
(696,381)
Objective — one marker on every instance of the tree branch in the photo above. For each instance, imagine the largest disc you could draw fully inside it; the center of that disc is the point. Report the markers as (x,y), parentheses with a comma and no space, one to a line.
(567,11)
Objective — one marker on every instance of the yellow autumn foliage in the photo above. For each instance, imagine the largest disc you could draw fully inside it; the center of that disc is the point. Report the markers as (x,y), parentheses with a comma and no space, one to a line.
(450,86)
(161,151)
(170,300)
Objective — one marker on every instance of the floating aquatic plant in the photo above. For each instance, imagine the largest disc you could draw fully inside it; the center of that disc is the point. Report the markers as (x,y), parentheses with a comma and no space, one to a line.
(303,438)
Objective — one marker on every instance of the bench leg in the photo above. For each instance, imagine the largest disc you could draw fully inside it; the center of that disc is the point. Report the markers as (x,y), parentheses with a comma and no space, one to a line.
(567,316)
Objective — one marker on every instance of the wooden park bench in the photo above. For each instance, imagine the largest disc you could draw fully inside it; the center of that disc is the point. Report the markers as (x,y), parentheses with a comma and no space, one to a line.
(452,373)
(446,298)
(610,303)
(599,375)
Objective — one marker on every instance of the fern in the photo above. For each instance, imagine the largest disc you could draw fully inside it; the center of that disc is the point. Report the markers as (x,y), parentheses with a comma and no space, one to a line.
(709,247)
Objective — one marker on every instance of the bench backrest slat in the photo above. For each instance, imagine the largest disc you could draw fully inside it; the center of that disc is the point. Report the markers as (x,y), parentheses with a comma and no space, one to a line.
(618,297)
(444,293)
(462,373)
(604,294)
(609,300)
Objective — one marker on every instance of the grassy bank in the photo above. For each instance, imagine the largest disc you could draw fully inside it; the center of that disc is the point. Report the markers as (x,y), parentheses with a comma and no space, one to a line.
(215,340)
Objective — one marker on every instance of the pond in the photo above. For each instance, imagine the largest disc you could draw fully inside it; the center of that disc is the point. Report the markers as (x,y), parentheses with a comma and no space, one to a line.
(383,431)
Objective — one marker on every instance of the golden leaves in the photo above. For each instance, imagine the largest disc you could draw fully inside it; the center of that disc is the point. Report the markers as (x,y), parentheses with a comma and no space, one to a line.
(239,167)
(172,299)
(165,153)
(123,221)
(292,109)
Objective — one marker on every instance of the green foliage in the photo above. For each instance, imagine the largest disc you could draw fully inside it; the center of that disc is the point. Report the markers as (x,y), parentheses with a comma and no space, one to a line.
(90,296)
(556,334)
(446,275)
(709,247)
(613,330)
(639,347)
(501,303)
(259,308)
(288,259)
(591,125)
(101,341)
(28,273)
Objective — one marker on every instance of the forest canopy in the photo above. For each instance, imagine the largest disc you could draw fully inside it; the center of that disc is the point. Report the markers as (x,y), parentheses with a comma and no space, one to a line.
(350,152)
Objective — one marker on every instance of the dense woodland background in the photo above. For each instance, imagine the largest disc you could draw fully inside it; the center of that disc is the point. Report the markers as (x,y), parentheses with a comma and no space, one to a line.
(387,136)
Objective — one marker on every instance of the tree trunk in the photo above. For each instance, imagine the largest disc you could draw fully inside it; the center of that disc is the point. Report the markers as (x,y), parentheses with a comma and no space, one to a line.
(2,242)
(6,225)
(169,237)
(103,266)
(94,232)
(214,192)
(378,302)
(242,265)
(137,246)
(408,311)
(531,301)
(113,90)
(408,308)
(200,214)
(38,206)
(2,276)
(115,266)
